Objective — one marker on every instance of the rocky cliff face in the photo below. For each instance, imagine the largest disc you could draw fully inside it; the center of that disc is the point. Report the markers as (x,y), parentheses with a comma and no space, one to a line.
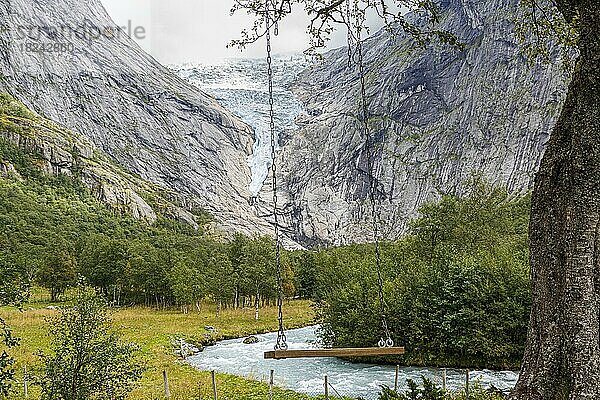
(59,151)
(438,116)
(66,60)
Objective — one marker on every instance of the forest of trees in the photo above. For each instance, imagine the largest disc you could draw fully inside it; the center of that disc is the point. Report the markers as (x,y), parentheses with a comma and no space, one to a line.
(457,286)
(53,233)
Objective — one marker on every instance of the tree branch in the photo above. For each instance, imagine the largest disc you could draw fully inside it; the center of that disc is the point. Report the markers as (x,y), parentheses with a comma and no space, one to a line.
(568,8)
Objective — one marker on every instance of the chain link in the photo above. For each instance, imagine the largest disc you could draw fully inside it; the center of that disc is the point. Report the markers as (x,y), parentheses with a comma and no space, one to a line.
(350,38)
(386,340)
(281,335)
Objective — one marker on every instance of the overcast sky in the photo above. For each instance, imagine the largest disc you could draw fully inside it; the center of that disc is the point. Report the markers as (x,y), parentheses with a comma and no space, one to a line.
(178,31)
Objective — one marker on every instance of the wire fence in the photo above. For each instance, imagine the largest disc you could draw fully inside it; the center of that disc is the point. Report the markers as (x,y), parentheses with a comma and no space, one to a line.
(453,381)
(334,390)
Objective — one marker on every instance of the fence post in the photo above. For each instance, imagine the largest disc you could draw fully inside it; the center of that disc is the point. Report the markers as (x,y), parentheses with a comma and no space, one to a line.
(271,385)
(467,386)
(25,388)
(181,349)
(396,378)
(444,378)
(326,388)
(214,385)
(166,382)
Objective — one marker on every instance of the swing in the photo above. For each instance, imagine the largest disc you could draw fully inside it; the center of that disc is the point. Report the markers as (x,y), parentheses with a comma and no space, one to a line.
(386,344)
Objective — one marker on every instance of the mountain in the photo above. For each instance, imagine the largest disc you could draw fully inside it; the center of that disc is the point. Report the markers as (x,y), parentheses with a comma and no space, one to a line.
(438,117)
(59,152)
(67,61)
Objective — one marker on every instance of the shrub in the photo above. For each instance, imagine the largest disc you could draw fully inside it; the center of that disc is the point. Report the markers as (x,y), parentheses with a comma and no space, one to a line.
(88,359)
(430,391)
(457,288)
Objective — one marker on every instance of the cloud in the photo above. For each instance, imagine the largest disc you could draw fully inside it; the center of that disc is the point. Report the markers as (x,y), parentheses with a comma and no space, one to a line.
(179,31)
(199,30)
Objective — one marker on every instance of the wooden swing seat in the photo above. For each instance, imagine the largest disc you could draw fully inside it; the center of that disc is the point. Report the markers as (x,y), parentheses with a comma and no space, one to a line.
(348,352)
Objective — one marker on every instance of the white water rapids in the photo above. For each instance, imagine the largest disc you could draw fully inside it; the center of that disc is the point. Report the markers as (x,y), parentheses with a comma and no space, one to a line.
(306,375)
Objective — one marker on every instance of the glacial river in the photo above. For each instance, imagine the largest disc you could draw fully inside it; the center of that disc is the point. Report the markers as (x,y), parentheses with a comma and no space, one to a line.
(306,375)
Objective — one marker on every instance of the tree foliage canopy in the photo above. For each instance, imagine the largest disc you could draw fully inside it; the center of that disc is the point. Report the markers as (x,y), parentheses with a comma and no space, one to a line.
(88,359)
(457,288)
(52,230)
(326,15)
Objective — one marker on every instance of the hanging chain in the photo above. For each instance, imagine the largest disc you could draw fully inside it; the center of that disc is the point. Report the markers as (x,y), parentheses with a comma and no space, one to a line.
(281,336)
(386,340)
(350,38)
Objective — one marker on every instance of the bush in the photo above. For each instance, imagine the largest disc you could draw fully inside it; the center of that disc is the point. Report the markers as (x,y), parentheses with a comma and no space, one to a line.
(457,288)
(7,372)
(430,391)
(88,359)
(14,289)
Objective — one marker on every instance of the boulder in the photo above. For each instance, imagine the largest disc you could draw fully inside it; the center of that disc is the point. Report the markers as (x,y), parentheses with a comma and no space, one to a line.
(251,340)
(184,349)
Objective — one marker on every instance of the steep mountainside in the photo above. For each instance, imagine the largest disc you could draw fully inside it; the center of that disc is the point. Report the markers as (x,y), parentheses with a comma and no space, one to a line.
(66,60)
(438,117)
(60,152)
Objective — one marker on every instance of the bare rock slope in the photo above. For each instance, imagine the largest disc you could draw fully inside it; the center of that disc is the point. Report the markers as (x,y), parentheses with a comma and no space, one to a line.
(131,107)
(438,116)
(58,151)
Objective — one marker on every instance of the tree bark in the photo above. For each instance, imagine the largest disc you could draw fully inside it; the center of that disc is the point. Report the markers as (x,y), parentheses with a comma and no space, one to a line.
(562,356)
(256,305)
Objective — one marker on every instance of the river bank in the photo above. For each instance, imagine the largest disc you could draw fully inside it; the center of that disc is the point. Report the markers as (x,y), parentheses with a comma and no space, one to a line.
(306,375)
(154,330)
(245,376)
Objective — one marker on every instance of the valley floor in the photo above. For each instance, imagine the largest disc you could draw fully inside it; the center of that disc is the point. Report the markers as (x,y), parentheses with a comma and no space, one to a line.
(153,330)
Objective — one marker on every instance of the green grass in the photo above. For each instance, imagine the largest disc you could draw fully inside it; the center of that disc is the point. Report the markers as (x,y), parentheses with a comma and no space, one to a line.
(153,331)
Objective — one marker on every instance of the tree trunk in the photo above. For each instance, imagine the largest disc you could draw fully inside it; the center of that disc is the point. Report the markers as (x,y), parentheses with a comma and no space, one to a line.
(257,305)
(562,356)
